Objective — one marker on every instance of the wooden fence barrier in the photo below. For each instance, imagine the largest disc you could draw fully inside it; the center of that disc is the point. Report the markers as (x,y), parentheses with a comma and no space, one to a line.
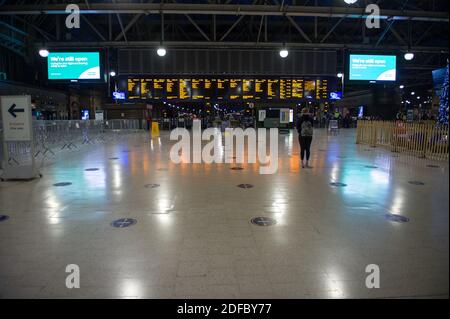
(420,139)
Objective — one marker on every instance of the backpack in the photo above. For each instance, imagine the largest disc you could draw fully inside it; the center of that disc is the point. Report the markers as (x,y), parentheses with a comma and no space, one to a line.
(306,129)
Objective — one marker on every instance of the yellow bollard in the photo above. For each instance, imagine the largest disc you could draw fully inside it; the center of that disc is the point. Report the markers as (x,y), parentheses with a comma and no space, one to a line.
(155,129)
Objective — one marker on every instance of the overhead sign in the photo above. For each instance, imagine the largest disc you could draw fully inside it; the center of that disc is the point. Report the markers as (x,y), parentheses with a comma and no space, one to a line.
(16,117)
(371,67)
(74,66)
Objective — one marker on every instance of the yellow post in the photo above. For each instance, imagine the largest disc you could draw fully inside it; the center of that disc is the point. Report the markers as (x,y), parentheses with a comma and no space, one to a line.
(155,129)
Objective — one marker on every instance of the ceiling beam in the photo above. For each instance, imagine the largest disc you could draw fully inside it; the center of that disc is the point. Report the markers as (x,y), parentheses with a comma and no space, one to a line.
(243,45)
(224,9)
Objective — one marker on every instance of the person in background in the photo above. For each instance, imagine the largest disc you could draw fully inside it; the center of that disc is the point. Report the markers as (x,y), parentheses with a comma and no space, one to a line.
(305,126)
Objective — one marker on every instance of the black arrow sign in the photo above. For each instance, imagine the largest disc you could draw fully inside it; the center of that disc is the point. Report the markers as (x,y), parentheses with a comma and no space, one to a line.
(12,110)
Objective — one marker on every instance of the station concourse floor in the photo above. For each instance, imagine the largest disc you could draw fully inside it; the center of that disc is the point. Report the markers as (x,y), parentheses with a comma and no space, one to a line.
(193,237)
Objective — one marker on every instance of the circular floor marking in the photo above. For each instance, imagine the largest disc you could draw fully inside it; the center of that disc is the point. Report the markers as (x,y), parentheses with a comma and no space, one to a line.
(245,186)
(371,166)
(396,218)
(3,218)
(338,184)
(322,150)
(263,221)
(151,185)
(62,184)
(237,168)
(433,166)
(417,183)
(91,169)
(113,158)
(124,222)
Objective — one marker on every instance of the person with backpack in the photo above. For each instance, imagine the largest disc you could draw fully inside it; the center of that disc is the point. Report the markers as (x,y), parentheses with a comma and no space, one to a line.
(305,125)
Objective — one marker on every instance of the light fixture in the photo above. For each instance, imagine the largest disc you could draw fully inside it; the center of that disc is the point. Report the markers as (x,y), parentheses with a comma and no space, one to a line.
(350,1)
(112,73)
(340,75)
(412,93)
(402,87)
(409,56)
(43,53)
(161,51)
(284,53)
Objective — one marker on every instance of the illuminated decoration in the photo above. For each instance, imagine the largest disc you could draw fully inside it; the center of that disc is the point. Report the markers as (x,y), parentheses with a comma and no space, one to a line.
(443,103)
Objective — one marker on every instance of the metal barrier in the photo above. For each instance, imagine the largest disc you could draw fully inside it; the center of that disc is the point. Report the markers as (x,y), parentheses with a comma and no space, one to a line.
(420,139)
(52,137)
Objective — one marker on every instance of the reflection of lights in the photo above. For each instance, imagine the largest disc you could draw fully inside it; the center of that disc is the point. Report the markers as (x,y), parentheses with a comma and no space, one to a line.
(130,288)
(397,203)
(334,172)
(164,205)
(379,177)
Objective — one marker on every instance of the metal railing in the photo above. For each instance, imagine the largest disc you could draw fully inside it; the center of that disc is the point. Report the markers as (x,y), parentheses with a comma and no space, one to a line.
(420,139)
(52,137)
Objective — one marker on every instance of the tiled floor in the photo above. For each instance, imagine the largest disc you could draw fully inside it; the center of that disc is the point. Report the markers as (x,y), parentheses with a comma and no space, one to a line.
(194,239)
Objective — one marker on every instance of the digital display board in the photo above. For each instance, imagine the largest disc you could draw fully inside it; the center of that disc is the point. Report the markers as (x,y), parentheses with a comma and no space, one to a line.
(159,88)
(310,89)
(297,88)
(235,89)
(372,67)
(201,89)
(147,88)
(228,89)
(248,89)
(74,66)
(285,89)
(184,89)
(222,88)
(322,91)
(260,89)
(273,89)
(172,89)
(134,89)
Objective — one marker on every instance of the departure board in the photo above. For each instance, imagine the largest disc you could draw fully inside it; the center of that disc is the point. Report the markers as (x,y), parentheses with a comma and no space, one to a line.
(159,88)
(297,88)
(208,86)
(228,89)
(273,89)
(235,89)
(248,89)
(199,89)
(147,88)
(134,89)
(222,88)
(184,89)
(310,89)
(260,89)
(172,89)
(322,91)
(285,89)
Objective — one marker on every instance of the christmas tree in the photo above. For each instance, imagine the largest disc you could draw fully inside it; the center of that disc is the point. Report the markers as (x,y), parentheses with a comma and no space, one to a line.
(443,105)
